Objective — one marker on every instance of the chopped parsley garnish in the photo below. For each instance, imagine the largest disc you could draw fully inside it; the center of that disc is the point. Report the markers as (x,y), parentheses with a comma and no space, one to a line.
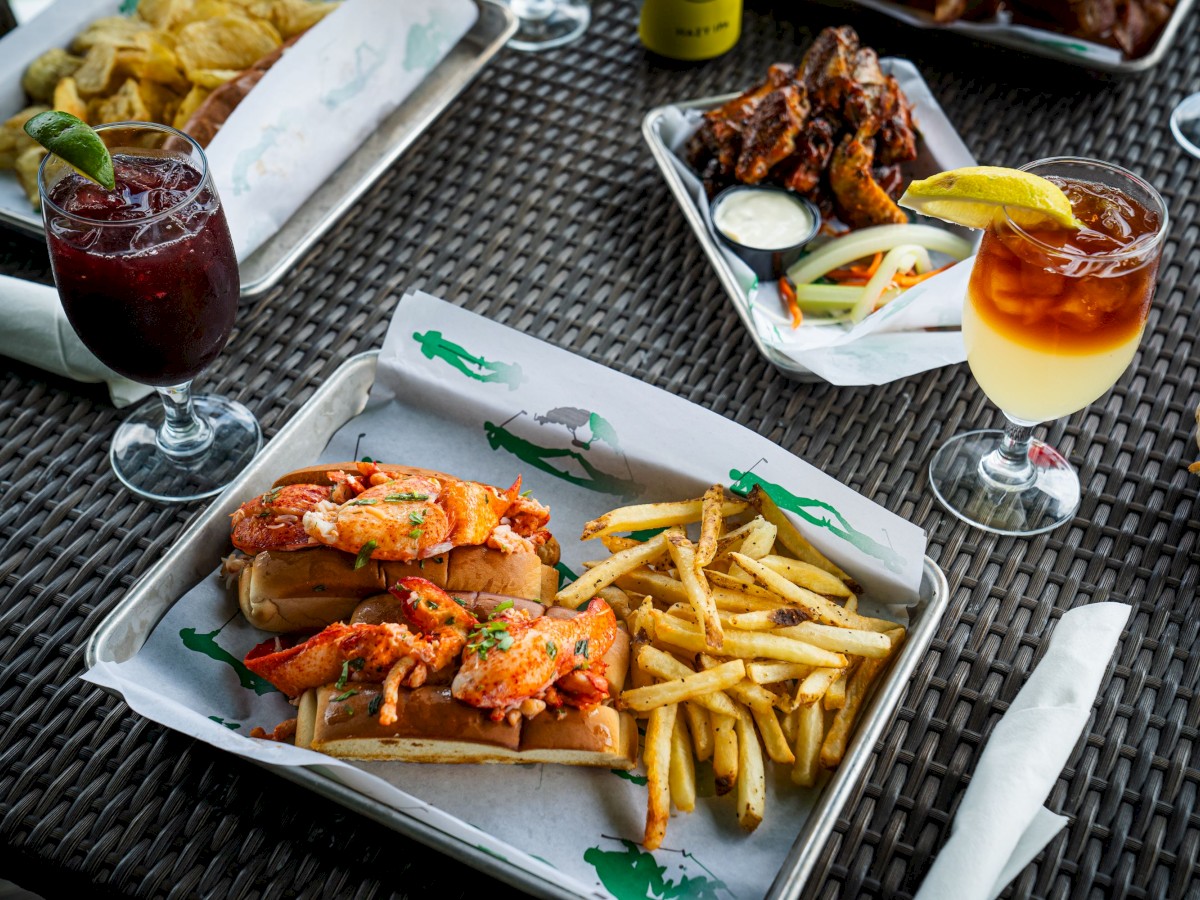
(373,706)
(346,696)
(271,496)
(318,588)
(417,517)
(429,604)
(551,649)
(357,663)
(367,502)
(450,621)
(581,648)
(405,496)
(501,607)
(437,560)
(262,515)
(416,533)
(527,492)
(364,554)
(488,636)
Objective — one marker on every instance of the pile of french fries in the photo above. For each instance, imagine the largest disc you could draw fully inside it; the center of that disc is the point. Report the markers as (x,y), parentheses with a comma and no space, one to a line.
(747,644)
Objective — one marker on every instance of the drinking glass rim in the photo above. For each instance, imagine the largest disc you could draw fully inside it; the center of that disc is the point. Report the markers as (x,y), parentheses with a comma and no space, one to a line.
(1130,253)
(143,220)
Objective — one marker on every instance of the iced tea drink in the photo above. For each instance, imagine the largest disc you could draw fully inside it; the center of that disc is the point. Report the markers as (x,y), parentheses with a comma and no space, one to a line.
(1053,316)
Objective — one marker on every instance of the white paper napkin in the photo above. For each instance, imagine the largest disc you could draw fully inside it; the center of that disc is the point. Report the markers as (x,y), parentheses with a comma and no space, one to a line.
(36,331)
(1001,824)
(320,101)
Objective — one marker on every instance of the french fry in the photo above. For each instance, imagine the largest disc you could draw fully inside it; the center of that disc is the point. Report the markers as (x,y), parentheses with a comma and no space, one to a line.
(710,524)
(851,604)
(839,640)
(700,727)
(732,540)
(776,620)
(657,758)
(641,621)
(774,672)
(773,739)
(809,735)
(747,692)
(835,697)
(699,595)
(655,584)
(720,580)
(615,543)
(685,611)
(609,571)
(814,685)
(752,779)
(760,541)
(806,575)
(737,602)
(683,768)
(718,678)
(737,573)
(791,726)
(789,535)
(818,608)
(744,644)
(663,665)
(617,599)
(653,515)
(725,751)
(834,746)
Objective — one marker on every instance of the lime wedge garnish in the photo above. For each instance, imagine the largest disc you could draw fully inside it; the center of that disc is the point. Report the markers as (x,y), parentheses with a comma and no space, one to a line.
(972,197)
(75,142)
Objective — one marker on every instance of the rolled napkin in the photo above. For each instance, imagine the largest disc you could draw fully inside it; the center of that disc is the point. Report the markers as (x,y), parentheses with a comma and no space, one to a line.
(1001,824)
(36,331)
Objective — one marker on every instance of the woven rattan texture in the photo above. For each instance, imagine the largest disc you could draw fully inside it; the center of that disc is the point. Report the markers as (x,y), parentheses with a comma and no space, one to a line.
(534,202)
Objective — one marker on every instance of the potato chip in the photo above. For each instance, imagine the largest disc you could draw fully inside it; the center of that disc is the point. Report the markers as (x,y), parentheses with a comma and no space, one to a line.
(161,102)
(125,105)
(290,17)
(210,79)
(225,42)
(188,105)
(154,60)
(13,139)
(117,31)
(27,172)
(66,98)
(98,74)
(46,71)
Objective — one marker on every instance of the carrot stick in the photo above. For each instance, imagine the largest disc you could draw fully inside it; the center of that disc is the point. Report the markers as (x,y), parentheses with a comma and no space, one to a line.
(788,291)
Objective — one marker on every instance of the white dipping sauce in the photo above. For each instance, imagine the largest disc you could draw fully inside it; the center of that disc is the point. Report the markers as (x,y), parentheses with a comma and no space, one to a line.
(765,220)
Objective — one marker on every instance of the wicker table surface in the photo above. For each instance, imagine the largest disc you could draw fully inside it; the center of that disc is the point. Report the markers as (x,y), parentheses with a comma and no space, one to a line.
(533,201)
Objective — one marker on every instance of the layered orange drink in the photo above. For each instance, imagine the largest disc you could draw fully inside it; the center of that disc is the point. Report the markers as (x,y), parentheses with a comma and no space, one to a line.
(1054,315)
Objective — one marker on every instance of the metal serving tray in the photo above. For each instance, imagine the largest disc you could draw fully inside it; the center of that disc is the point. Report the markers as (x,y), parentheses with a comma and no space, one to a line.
(1053,46)
(271,261)
(193,557)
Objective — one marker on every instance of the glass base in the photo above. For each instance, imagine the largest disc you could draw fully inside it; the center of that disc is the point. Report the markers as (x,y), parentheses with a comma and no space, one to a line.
(548,23)
(957,478)
(145,469)
(1185,124)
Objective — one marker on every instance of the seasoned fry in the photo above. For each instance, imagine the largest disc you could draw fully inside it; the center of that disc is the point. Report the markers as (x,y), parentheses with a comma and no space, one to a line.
(776,619)
(809,735)
(653,515)
(701,729)
(720,580)
(791,726)
(818,608)
(744,644)
(774,672)
(718,678)
(760,540)
(737,573)
(789,536)
(725,751)
(657,759)
(839,640)
(683,553)
(835,697)
(746,692)
(773,739)
(609,571)
(710,524)
(683,768)
(752,779)
(814,686)
(834,746)
(664,665)
(807,575)
(615,543)
(654,584)
(732,540)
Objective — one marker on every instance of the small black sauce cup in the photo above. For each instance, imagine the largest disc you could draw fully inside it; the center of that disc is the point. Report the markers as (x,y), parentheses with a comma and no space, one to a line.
(765,263)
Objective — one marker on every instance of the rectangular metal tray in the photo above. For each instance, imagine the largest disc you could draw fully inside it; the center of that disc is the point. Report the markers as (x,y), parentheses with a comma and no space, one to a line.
(1051,48)
(206,540)
(951,157)
(264,268)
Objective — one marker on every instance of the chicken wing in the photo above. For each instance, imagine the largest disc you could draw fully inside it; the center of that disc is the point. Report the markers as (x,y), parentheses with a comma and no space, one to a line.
(860,199)
(770,133)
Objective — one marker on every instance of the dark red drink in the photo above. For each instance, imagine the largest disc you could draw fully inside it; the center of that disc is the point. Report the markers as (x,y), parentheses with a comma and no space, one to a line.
(147,272)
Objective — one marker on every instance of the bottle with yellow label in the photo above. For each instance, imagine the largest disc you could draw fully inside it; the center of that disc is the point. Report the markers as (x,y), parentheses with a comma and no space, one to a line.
(690,29)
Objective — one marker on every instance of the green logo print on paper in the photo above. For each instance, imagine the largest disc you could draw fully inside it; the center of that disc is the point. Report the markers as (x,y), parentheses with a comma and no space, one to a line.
(635,873)
(435,346)
(544,458)
(572,419)
(817,513)
(207,644)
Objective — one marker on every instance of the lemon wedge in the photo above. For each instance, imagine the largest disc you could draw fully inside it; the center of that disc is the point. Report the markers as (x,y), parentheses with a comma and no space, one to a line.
(972,196)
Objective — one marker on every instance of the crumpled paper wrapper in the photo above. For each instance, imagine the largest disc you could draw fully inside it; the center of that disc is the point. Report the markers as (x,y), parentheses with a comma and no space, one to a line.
(459,393)
(917,332)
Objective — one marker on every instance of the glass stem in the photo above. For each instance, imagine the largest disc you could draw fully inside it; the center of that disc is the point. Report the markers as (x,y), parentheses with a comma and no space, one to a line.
(183,433)
(1008,466)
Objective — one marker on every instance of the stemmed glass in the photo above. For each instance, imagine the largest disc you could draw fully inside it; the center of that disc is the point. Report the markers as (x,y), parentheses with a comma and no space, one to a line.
(149,281)
(548,23)
(1051,320)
